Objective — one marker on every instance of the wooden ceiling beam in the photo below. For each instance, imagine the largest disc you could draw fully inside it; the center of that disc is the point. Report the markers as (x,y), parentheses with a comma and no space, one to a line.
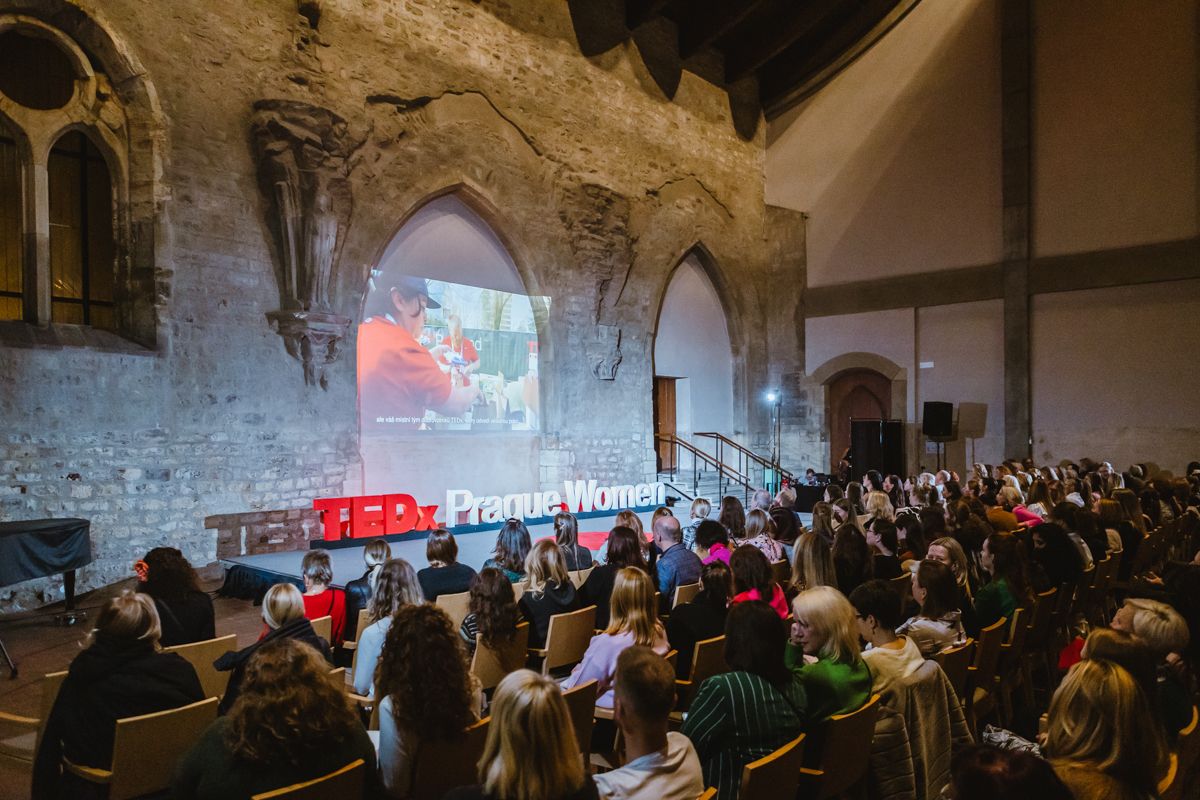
(777,34)
(707,21)
(639,12)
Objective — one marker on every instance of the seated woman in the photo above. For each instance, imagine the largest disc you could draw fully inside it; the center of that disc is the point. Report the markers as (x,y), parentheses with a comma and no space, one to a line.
(360,590)
(186,612)
(427,689)
(625,519)
(891,658)
(949,552)
(812,564)
(754,709)
(1101,738)
(1057,557)
(633,619)
(732,516)
(531,752)
(911,533)
(624,550)
(761,533)
(754,580)
(822,521)
(1165,633)
(283,615)
(938,624)
(395,588)
(566,536)
(512,546)
(712,542)
(851,557)
(121,674)
(701,508)
(493,614)
(444,575)
(289,725)
(319,599)
(837,680)
(550,591)
(703,618)
(884,542)
(1008,588)
(879,507)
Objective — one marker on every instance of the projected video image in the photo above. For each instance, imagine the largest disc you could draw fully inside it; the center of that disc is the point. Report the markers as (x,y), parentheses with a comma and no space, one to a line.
(438,356)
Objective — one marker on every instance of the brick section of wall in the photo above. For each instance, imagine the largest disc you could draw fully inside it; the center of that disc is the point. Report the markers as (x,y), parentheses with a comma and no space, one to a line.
(264,531)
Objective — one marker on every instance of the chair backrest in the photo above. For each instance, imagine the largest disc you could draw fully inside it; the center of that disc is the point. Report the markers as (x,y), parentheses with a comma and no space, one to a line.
(456,606)
(323,627)
(581,705)
(568,637)
(845,755)
(1018,633)
(578,576)
(519,589)
(1188,751)
(201,656)
(709,794)
(491,665)
(775,775)
(685,593)
(147,748)
(440,766)
(337,678)
(781,570)
(987,654)
(955,662)
(1041,619)
(364,619)
(346,782)
(902,585)
(1083,589)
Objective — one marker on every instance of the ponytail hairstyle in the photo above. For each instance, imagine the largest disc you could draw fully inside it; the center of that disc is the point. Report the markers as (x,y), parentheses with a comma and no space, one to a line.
(375,553)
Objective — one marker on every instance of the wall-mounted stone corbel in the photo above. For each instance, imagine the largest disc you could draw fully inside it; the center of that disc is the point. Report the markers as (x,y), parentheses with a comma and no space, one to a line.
(305,155)
(604,353)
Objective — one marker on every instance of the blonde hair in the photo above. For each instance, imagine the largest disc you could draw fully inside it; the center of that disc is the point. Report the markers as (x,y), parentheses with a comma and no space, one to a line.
(630,520)
(1158,625)
(375,553)
(632,607)
(1011,494)
(531,751)
(130,616)
(759,522)
(701,508)
(879,506)
(282,604)
(812,563)
(830,615)
(958,561)
(545,565)
(1100,719)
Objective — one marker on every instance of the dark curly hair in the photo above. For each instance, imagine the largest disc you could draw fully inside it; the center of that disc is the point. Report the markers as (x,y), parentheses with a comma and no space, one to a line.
(423,668)
(288,711)
(169,576)
(495,607)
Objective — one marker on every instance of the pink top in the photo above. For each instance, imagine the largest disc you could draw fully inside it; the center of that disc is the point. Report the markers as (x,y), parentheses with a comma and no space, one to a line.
(778,601)
(1025,516)
(718,552)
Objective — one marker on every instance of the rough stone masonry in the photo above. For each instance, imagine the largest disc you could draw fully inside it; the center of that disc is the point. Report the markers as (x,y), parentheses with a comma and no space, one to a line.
(596,181)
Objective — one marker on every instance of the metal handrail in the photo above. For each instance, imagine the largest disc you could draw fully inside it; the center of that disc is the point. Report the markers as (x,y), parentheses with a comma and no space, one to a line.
(746,452)
(724,471)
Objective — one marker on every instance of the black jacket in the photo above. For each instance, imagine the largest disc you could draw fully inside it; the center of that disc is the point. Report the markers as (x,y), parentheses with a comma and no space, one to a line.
(597,591)
(110,680)
(694,622)
(358,597)
(557,599)
(186,619)
(236,660)
(454,579)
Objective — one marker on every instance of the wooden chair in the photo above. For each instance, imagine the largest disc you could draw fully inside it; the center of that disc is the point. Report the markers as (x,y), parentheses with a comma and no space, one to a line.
(1037,641)
(581,703)
(902,585)
(147,748)
(456,606)
(1183,760)
(441,766)
(956,663)
(491,665)
(845,755)
(781,570)
(201,656)
(708,659)
(685,594)
(981,688)
(1008,672)
(567,639)
(1083,593)
(323,627)
(519,589)
(709,794)
(578,576)
(337,677)
(364,616)
(776,775)
(23,746)
(346,782)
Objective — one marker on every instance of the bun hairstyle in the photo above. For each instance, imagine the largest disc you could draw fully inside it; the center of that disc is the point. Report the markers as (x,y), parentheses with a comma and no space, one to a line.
(130,617)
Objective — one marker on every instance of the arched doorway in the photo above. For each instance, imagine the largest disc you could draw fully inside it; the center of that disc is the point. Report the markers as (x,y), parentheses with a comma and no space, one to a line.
(854,394)
(448,360)
(693,359)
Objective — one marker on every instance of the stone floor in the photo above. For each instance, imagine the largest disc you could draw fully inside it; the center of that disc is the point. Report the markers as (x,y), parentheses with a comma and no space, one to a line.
(39,646)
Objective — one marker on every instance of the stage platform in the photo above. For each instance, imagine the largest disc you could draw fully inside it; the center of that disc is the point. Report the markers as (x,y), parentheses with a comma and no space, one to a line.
(249,577)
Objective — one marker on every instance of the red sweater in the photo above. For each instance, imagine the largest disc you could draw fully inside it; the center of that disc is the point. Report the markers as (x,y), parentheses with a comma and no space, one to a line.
(329,603)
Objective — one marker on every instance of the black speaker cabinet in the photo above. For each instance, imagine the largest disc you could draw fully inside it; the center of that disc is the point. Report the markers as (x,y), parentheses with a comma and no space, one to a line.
(938,420)
(877,444)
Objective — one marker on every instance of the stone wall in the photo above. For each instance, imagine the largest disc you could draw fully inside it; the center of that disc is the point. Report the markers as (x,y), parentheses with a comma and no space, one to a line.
(595,180)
